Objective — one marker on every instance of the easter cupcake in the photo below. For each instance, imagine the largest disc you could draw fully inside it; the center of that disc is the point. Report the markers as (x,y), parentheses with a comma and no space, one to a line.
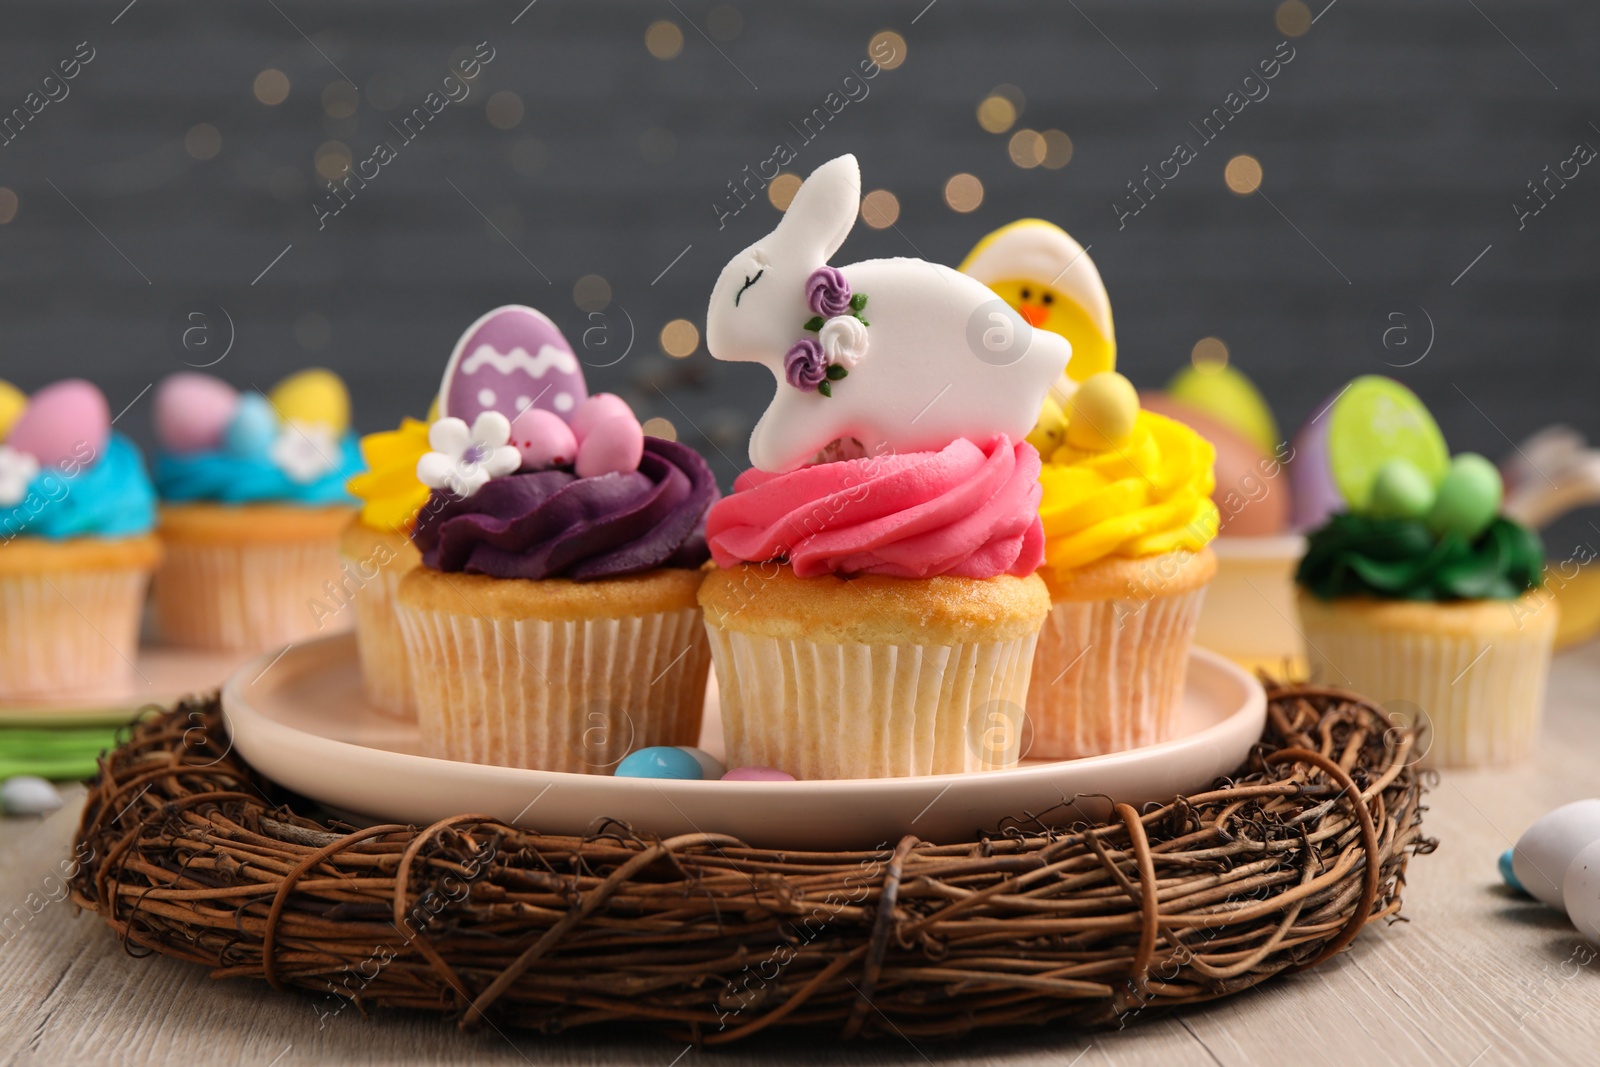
(253,500)
(1418,593)
(875,606)
(552,623)
(1128,519)
(375,552)
(76,549)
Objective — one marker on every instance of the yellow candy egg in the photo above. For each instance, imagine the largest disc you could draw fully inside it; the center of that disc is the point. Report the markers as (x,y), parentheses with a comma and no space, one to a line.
(1048,433)
(1101,414)
(433,411)
(314,396)
(13,402)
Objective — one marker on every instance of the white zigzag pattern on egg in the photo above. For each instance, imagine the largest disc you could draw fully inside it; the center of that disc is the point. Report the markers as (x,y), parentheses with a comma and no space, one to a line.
(549,357)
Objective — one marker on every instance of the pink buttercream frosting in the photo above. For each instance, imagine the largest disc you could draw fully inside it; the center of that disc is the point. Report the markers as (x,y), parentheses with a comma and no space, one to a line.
(967,511)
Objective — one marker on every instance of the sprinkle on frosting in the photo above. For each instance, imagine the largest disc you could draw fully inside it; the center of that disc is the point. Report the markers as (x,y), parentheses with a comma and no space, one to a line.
(389,490)
(1145,498)
(965,510)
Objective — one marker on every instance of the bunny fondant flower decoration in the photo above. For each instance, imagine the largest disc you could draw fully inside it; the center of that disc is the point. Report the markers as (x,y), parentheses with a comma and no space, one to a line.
(464,460)
(947,357)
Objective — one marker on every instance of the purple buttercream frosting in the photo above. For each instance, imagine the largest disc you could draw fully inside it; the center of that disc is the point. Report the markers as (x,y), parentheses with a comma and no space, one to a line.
(827,292)
(553,524)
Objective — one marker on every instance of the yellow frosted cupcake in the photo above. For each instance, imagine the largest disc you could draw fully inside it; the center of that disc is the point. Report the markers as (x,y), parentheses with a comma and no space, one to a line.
(252,504)
(1127,522)
(76,552)
(1419,594)
(375,550)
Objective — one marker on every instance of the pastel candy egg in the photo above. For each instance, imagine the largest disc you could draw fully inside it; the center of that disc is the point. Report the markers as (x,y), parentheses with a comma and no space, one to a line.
(711,768)
(68,422)
(26,794)
(1468,498)
(254,427)
(660,762)
(510,359)
(13,402)
(314,397)
(192,411)
(1547,848)
(1050,430)
(757,774)
(1508,871)
(597,408)
(1101,414)
(612,444)
(543,440)
(1400,491)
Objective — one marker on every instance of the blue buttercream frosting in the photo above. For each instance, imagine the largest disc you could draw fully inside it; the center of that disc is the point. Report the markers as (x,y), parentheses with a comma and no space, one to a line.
(224,477)
(111,498)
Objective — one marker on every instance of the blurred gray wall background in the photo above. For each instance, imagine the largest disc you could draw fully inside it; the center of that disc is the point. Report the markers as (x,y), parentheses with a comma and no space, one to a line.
(1395,146)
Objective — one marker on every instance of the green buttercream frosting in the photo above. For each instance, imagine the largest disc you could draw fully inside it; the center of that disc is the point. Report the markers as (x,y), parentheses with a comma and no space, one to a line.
(1400,559)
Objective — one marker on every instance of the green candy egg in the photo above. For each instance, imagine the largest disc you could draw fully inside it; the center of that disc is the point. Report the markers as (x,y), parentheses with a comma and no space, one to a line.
(1400,491)
(1468,497)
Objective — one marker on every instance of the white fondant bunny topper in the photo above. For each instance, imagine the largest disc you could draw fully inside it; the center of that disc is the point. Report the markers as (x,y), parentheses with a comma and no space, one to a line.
(901,354)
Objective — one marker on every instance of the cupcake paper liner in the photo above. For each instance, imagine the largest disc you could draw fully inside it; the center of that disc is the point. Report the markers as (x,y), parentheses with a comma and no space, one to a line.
(69,632)
(385,670)
(1480,693)
(250,596)
(570,695)
(821,710)
(1108,674)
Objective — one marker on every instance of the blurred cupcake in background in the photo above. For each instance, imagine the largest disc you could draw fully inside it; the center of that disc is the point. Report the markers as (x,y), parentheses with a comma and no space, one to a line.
(1418,592)
(76,549)
(253,500)
(1128,519)
(552,623)
(375,552)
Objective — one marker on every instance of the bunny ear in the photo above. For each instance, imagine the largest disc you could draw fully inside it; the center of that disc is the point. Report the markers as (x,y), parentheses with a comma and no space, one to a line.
(822,213)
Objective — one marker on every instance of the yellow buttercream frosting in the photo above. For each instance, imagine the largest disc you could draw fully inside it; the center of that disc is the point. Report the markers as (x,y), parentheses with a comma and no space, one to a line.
(1147,497)
(389,490)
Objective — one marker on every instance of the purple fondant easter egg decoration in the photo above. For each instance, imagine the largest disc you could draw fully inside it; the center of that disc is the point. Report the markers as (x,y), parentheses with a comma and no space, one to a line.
(511,359)
(65,424)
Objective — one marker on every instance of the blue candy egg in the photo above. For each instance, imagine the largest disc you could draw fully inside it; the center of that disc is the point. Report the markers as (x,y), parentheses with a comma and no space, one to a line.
(1508,874)
(660,762)
(253,428)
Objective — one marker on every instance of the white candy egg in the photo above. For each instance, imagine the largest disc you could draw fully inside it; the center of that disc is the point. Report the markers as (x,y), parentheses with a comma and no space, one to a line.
(1545,851)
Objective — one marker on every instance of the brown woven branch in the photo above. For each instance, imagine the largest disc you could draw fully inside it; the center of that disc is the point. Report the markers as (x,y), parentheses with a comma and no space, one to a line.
(188,852)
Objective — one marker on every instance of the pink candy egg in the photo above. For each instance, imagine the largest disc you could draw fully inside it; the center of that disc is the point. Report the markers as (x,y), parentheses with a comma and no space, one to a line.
(614,443)
(757,774)
(192,411)
(543,439)
(65,423)
(597,408)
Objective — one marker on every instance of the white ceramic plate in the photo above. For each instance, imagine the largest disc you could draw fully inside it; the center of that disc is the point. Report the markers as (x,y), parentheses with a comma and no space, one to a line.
(301,719)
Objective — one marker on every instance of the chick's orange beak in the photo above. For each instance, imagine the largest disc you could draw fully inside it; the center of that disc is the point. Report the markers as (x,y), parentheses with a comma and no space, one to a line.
(1033,314)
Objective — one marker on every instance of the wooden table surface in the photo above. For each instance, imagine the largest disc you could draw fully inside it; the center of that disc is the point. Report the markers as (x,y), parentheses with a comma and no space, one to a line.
(1475,977)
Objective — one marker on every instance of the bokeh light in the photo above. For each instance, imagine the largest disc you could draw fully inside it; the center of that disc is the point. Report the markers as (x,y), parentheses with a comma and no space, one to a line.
(1243,174)
(203,141)
(781,190)
(887,49)
(680,338)
(333,159)
(1057,149)
(659,427)
(963,192)
(1293,18)
(8,205)
(504,109)
(663,39)
(724,22)
(271,86)
(591,293)
(879,209)
(1209,355)
(339,100)
(1027,149)
(996,114)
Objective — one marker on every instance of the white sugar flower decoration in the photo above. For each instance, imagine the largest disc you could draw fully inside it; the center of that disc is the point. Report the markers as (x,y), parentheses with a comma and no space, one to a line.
(844,340)
(463,460)
(17,472)
(305,451)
